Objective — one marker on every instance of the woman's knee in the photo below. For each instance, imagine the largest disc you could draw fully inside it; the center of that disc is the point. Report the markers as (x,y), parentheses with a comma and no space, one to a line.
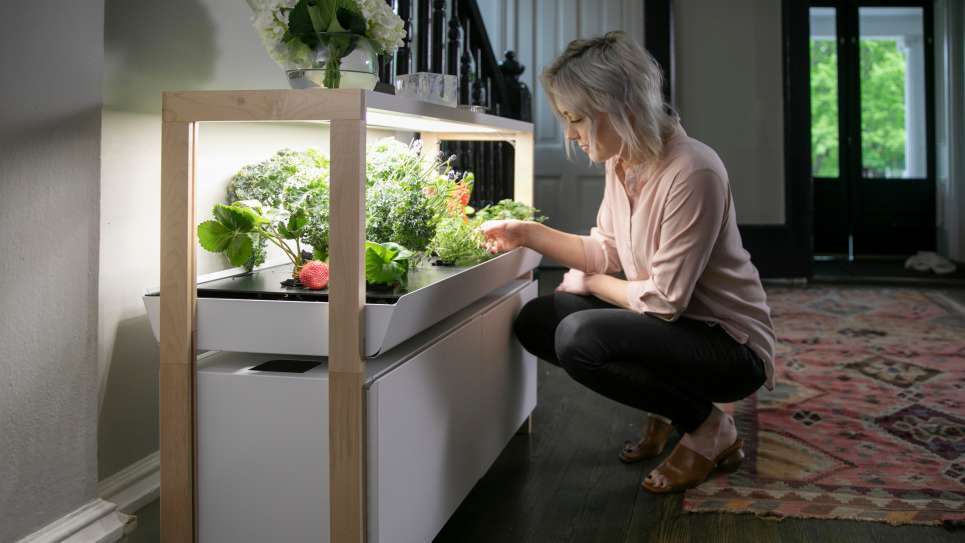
(531,317)
(531,326)
(577,342)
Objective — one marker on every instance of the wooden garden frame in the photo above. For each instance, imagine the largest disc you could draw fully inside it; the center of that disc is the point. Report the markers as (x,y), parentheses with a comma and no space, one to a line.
(346,112)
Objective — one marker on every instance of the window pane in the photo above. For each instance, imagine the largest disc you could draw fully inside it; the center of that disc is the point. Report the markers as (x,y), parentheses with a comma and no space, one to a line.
(824,93)
(892,78)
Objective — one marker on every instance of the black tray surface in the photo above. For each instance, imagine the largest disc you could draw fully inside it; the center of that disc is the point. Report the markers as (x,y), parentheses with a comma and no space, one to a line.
(265,284)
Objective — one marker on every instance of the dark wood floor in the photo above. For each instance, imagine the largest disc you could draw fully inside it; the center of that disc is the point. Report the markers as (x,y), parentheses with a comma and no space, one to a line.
(564,483)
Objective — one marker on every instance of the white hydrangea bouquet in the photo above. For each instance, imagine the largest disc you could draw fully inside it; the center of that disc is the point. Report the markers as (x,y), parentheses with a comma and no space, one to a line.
(317,41)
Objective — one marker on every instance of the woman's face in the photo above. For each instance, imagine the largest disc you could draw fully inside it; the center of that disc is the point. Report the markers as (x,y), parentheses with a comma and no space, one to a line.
(607,142)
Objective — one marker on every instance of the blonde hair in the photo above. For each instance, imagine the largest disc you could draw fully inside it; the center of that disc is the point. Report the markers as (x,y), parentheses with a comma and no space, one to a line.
(612,74)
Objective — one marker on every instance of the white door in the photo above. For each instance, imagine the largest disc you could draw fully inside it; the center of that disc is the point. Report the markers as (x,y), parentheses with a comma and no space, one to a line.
(567,191)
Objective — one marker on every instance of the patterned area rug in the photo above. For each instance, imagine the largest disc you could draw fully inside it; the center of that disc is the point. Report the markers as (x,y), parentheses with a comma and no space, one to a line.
(867,420)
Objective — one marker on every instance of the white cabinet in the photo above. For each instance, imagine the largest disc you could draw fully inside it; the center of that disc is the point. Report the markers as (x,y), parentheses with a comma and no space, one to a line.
(422,414)
(262,452)
(442,418)
(438,411)
(507,378)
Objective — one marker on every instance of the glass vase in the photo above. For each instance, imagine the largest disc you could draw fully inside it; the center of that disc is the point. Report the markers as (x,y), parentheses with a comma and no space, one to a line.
(341,60)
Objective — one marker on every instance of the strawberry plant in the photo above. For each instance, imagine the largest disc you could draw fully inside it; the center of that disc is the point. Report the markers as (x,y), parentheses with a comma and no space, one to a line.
(236,227)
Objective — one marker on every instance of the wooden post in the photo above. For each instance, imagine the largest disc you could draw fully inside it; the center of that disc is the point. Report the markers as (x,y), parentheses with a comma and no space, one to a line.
(346,328)
(177,333)
(523,170)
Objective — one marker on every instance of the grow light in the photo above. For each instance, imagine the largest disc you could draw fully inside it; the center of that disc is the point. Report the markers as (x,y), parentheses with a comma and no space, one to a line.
(377,118)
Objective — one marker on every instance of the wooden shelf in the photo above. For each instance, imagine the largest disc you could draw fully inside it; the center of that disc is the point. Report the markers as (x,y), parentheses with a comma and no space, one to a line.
(386,110)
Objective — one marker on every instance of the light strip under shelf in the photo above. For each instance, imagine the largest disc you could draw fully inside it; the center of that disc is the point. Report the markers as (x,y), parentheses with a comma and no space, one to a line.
(377,118)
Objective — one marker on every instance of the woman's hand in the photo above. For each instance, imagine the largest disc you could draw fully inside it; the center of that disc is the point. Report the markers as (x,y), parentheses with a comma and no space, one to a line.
(504,235)
(574,282)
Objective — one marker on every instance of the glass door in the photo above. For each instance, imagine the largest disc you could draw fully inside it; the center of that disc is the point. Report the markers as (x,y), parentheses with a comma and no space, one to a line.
(871,127)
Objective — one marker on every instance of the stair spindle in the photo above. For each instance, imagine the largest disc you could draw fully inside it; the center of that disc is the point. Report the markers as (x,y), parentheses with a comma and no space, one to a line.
(452,47)
(438,35)
(422,36)
(403,57)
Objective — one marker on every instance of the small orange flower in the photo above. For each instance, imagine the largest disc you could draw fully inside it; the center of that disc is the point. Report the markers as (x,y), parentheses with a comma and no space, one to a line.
(459,199)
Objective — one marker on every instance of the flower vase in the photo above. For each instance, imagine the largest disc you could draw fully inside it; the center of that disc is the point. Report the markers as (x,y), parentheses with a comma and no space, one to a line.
(340,60)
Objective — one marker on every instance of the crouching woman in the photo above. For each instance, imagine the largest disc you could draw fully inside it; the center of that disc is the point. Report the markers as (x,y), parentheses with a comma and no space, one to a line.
(662,309)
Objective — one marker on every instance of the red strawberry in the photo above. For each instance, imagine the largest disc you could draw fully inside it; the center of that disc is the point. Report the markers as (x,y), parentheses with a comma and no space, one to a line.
(314,275)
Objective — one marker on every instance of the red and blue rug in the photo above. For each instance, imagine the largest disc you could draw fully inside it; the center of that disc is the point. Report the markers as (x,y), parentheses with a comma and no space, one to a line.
(867,420)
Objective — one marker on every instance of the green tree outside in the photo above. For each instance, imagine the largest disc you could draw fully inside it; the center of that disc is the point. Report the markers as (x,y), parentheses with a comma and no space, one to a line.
(882,73)
(824,108)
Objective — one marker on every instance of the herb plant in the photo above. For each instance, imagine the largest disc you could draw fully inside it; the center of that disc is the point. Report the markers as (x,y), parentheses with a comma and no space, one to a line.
(509,209)
(386,264)
(459,242)
(406,195)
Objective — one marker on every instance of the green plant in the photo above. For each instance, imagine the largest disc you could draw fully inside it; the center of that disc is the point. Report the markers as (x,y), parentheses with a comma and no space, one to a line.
(281,179)
(236,227)
(459,242)
(316,207)
(386,264)
(509,209)
(288,180)
(406,193)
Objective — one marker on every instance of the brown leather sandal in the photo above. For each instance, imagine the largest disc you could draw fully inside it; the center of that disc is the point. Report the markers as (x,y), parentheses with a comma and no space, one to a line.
(651,443)
(685,468)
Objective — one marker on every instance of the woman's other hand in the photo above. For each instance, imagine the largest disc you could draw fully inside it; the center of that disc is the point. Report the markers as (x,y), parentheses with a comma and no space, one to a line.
(574,282)
(504,235)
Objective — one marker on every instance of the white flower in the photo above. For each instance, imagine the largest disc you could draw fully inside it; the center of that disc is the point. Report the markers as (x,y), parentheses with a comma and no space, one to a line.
(383,27)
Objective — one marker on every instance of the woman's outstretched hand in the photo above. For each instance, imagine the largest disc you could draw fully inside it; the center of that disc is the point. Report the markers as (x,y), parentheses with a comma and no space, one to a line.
(504,235)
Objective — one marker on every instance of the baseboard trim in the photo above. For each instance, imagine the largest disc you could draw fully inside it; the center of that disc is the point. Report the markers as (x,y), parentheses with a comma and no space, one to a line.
(98,521)
(134,486)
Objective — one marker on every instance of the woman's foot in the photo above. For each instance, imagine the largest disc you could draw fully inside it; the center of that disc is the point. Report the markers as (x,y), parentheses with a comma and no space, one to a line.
(651,443)
(712,438)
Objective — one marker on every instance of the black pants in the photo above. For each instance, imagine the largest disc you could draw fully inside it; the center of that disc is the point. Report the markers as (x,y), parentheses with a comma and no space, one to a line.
(674,369)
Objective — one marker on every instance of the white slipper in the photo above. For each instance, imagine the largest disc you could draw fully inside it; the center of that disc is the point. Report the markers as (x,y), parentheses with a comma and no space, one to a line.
(929,260)
(943,266)
(919,262)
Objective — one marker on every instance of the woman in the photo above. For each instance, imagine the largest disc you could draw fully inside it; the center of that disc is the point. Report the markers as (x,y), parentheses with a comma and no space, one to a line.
(687,323)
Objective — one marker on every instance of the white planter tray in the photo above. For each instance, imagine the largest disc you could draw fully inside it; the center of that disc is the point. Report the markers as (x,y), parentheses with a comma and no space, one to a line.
(297,327)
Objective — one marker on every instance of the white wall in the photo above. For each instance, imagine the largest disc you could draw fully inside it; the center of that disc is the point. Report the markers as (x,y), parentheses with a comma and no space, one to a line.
(51,58)
(729,94)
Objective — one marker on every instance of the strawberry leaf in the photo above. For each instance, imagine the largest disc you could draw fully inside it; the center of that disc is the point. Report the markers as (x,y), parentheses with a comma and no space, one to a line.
(239,249)
(213,236)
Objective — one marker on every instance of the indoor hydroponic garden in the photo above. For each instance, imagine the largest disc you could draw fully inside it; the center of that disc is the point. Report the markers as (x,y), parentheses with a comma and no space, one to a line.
(419,227)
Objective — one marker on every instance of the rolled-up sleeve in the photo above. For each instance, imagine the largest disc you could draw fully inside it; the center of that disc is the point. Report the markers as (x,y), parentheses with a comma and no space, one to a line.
(599,249)
(696,208)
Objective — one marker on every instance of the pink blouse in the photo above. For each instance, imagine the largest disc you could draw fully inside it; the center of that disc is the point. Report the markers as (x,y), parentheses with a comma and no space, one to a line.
(672,230)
